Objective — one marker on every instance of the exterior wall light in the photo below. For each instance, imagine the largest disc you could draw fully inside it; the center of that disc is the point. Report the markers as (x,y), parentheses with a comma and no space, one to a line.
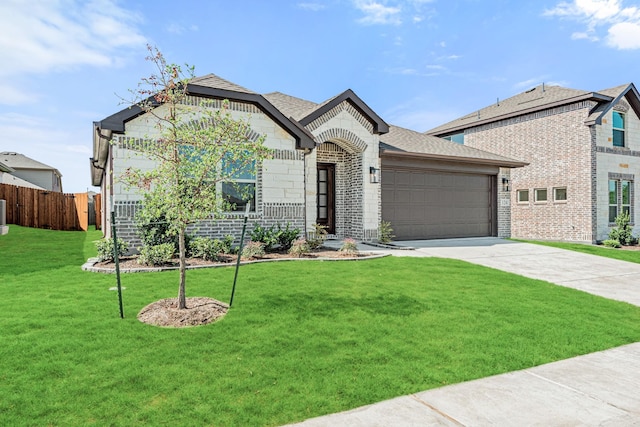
(374,175)
(505,184)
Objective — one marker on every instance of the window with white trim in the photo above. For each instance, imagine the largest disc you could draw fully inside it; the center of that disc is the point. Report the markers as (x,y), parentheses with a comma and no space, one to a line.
(522,196)
(540,195)
(560,194)
(242,189)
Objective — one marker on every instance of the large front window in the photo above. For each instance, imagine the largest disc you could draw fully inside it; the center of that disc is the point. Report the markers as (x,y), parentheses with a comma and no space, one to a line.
(618,129)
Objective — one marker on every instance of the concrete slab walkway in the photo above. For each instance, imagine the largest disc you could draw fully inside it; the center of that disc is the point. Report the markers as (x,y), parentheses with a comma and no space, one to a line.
(599,389)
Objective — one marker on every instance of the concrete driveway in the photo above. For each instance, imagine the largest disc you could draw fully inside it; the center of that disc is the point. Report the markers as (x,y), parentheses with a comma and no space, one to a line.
(599,389)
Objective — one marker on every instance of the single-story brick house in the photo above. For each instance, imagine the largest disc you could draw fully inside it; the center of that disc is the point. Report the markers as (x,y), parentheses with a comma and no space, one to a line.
(583,150)
(337,163)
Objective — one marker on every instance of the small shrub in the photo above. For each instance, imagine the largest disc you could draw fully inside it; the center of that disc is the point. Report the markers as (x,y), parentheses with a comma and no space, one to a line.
(204,247)
(225,246)
(104,248)
(623,233)
(266,236)
(299,248)
(157,254)
(317,237)
(253,250)
(349,247)
(154,230)
(612,243)
(385,232)
(287,236)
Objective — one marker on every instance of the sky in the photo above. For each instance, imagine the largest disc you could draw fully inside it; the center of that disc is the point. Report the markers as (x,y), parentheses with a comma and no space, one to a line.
(416,63)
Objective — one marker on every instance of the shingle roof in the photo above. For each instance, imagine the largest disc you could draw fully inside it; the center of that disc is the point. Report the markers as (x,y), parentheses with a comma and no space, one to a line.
(5,168)
(20,161)
(405,141)
(216,82)
(539,98)
(291,106)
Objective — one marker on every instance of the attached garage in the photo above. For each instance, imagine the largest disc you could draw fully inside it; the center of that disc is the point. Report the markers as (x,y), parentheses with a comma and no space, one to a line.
(423,204)
(435,189)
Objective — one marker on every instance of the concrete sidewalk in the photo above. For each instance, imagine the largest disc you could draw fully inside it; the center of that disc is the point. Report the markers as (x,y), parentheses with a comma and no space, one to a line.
(599,389)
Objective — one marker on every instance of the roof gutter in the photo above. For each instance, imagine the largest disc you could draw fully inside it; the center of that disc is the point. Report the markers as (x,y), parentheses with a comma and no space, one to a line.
(492,162)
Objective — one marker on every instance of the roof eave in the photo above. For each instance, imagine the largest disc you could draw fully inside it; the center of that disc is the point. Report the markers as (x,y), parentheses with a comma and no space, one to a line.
(589,96)
(634,101)
(442,157)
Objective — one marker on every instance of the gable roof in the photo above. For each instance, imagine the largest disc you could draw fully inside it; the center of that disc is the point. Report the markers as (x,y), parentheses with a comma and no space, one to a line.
(539,98)
(406,142)
(19,161)
(5,168)
(306,111)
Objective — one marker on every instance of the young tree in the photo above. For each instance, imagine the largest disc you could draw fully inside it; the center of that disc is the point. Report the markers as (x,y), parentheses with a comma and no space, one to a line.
(196,150)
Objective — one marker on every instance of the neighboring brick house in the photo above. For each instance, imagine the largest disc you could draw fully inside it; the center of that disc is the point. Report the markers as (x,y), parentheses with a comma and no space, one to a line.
(325,169)
(583,150)
(34,172)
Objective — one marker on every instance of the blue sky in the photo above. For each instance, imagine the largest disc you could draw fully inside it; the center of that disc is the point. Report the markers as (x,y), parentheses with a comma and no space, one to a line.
(417,63)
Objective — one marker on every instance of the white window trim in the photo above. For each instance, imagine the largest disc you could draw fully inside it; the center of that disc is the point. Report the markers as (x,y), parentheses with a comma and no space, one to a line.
(561,200)
(535,196)
(522,202)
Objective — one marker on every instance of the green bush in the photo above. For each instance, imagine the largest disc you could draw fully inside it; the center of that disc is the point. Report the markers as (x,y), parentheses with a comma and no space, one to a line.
(287,236)
(253,250)
(623,232)
(210,249)
(275,236)
(157,254)
(104,248)
(299,248)
(385,232)
(317,237)
(203,247)
(612,243)
(264,235)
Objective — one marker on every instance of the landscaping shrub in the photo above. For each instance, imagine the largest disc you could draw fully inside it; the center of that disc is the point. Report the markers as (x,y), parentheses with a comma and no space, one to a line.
(203,247)
(287,236)
(623,232)
(273,236)
(299,248)
(253,250)
(317,237)
(385,232)
(105,248)
(349,247)
(612,243)
(157,254)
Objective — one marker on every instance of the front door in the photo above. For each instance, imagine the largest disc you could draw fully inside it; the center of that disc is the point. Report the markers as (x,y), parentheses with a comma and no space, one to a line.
(326,197)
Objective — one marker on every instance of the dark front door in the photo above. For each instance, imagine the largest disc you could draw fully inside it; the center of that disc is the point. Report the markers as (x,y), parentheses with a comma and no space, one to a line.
(326,197)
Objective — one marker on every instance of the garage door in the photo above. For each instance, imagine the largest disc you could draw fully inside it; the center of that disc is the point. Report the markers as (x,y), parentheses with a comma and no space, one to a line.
(435,205)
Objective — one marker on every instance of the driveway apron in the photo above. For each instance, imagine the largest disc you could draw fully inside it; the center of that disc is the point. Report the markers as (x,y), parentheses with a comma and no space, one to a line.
(599,389)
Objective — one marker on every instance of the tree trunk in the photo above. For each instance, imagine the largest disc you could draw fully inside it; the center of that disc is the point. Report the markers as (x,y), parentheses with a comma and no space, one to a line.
(182,299)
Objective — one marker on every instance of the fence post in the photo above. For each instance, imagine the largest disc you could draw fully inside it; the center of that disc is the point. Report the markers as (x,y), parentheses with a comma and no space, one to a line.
(4,229)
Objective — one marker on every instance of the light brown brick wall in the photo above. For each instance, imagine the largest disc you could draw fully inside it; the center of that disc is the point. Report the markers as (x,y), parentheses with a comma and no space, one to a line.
(558,147)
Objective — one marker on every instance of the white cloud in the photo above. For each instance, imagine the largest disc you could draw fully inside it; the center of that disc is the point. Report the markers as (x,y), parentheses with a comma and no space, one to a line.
(179,29)
(378,13)
(14,95)
(622,23)
(625,35)
(49,36)
(314,7)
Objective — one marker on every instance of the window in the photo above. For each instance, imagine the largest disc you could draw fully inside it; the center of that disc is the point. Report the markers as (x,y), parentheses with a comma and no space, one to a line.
(522,196)
(620,194)
(243,187)
(458,138)
(618,129)
(540,194)
(560,194)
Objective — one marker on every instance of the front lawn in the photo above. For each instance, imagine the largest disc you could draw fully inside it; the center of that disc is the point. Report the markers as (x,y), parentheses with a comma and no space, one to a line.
(303,338)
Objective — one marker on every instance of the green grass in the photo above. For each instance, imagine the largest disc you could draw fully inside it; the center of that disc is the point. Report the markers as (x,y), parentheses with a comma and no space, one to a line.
(303,339)
(621,254)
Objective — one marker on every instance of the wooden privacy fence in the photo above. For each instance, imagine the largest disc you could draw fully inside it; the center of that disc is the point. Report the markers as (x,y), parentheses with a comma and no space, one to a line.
(45,209)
